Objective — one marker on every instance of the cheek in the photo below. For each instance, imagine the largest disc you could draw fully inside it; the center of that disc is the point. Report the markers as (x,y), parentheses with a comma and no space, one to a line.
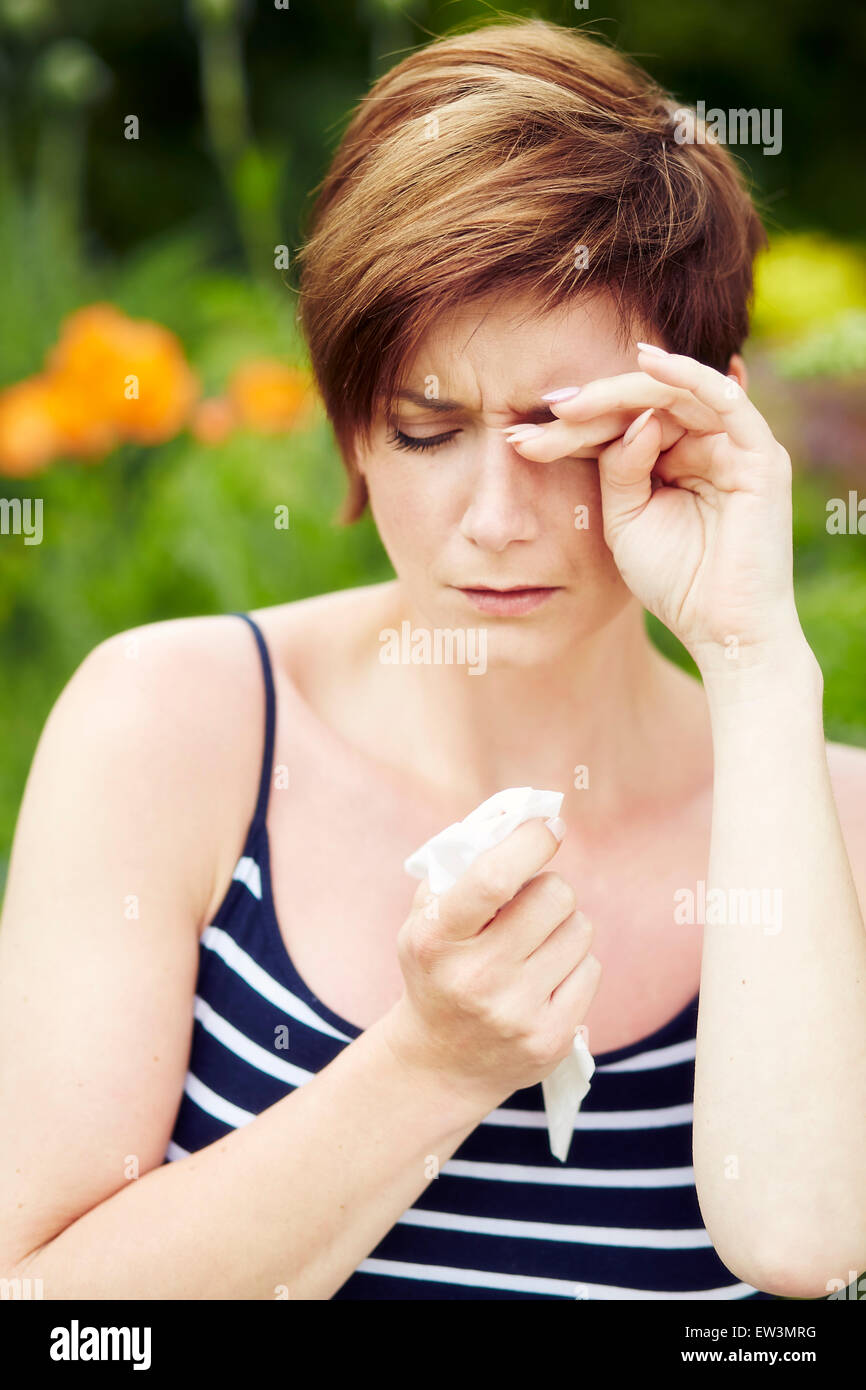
(571,506)
(406,509)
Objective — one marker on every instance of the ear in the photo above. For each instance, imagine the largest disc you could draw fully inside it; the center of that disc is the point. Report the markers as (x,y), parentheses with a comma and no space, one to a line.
(737,369)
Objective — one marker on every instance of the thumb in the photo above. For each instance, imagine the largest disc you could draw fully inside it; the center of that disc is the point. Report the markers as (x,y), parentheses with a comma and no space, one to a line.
(625,468)
(422,894)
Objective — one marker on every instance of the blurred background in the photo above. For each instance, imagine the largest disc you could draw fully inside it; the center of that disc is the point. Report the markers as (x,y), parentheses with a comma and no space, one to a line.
(153,156)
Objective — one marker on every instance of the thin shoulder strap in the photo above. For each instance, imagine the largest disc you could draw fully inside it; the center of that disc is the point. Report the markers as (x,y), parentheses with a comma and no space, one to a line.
(270,719)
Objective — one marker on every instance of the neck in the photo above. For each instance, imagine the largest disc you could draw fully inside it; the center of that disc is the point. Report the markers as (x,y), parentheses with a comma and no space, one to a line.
(611,723)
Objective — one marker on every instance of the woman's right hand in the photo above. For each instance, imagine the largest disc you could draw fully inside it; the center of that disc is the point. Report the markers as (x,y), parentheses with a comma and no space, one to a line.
(498,975)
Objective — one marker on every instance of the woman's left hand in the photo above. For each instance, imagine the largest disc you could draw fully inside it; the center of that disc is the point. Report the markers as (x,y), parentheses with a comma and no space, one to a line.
(696,501)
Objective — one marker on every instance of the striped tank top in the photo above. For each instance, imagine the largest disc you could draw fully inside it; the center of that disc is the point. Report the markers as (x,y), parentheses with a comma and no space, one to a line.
(504,1218)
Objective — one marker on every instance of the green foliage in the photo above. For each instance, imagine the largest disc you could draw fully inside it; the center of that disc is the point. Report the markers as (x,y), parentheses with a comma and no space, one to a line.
(833,349)
(181,529)
(161,228)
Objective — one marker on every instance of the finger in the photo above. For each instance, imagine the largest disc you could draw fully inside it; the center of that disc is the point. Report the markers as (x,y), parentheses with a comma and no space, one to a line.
(494,878)
(561,951)
(624,471)
(535,911)
(736,415)
(631,393)
(697,462)
(570,1001)
(422,894)
(562,439)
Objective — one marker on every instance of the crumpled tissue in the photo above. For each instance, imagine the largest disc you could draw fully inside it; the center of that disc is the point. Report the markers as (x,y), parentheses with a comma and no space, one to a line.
(442,860)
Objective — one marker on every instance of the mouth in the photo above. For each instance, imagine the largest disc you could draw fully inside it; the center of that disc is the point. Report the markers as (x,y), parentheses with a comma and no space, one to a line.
(508,602)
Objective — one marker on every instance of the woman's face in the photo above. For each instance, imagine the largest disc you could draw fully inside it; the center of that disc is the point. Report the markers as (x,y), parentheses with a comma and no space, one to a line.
(460,512)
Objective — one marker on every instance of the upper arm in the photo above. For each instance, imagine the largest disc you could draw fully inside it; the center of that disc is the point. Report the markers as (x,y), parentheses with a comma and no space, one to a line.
(847,766)
(112,867)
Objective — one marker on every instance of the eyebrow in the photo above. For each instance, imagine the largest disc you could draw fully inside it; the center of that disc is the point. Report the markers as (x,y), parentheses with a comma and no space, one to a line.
(446,407)
(429,402)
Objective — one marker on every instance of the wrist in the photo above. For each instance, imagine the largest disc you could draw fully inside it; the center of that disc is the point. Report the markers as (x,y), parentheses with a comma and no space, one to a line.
(459,1103)
(784,668)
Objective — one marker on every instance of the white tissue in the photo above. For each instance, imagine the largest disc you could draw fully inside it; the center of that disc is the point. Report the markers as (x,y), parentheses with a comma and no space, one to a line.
(442,860)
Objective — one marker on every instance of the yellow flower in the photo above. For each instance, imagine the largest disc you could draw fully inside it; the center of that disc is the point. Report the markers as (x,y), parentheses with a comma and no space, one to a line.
(805,280)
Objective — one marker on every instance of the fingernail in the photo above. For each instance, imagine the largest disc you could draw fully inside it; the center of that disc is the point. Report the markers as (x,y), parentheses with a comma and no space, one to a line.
(556,826)
(651,347)
(515,434)
(582,918)
(636,426)
(564,393)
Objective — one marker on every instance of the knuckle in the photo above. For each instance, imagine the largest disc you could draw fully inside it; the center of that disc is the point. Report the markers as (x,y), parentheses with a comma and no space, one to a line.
(421,893)
(545,1046)
(497,1016)
(464,988)
(562,895)
(492,886)
(592,965)
(585,930)
(418,943)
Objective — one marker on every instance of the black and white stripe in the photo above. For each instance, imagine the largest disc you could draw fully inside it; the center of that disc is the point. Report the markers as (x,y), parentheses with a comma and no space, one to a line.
(504,1219)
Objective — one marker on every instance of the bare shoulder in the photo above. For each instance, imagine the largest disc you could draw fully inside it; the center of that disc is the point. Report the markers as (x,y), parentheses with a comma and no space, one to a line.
(164,724)
(192,691)
(142,783)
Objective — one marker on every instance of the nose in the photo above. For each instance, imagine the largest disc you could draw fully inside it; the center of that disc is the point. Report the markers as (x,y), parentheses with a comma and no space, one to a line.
(500,508)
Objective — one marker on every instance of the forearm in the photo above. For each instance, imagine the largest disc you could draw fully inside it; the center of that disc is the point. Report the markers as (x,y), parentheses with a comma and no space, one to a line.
(780,1087)
(295,1200)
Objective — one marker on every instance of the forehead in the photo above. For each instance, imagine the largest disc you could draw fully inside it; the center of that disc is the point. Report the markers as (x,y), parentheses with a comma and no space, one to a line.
(503,353)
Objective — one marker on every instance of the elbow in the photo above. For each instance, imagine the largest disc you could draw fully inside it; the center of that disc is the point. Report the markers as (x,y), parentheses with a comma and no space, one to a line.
(805,1270)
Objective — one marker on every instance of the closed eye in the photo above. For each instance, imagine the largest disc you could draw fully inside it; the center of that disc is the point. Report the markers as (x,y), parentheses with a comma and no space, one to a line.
(419,445)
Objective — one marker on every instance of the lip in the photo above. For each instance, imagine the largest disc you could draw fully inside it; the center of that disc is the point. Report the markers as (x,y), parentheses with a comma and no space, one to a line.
(508,603)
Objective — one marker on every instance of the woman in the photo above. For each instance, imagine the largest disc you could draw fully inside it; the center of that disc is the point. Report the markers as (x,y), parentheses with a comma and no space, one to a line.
(211,954)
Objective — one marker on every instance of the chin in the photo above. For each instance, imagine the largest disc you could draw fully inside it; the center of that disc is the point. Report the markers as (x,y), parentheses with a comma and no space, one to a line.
(531,642)
(513,647)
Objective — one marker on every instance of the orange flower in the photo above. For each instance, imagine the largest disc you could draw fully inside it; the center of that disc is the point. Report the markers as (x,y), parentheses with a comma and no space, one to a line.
(28,434)
(270,397)
(111,378)
(213,420)
(129,374)
(80,431)
(40,420)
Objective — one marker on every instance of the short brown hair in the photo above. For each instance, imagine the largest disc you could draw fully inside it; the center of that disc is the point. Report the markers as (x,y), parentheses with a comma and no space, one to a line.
(479,164)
